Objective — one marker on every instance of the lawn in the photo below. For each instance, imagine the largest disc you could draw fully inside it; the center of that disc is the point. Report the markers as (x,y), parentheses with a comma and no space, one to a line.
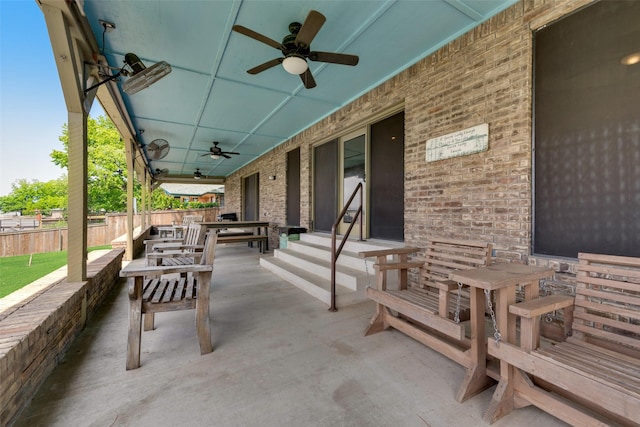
(18,271)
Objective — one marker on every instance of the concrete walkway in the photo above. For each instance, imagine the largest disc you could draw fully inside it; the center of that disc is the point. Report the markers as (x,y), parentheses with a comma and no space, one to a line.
(280,359)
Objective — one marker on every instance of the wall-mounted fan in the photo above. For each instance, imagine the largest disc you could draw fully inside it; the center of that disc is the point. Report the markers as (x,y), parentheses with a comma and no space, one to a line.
(160,173)
(157,149)
(296,48)
(216,152)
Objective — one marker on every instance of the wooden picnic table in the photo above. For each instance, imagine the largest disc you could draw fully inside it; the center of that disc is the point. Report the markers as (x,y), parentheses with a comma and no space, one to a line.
(258,227)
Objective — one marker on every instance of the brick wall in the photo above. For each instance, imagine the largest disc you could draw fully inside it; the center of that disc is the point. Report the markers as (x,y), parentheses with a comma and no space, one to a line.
(35,336)
(485,76)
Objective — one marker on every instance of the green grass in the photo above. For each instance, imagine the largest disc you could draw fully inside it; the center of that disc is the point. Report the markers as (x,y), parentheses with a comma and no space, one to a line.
(15,272)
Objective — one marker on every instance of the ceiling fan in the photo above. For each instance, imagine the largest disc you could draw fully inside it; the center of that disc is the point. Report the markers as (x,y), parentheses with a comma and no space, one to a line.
(216,152)
(296,48)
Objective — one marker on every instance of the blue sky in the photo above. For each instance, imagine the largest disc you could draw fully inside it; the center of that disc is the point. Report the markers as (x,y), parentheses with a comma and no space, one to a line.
(32,108)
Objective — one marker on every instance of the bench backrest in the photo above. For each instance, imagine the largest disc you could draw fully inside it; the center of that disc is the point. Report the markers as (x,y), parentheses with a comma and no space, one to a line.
(607,304)
(195,234)
(190,219)
(446,255)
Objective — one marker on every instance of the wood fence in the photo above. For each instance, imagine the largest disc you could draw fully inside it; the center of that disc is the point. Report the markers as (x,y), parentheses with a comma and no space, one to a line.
(27,242)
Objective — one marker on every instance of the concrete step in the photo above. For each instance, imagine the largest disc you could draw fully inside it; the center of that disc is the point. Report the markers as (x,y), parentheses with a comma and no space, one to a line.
(312,284)
(347,258)
(346,276)
(352,245)
(306,263)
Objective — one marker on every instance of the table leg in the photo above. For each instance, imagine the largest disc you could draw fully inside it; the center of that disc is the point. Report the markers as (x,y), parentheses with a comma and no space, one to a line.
(502,401)
(476,379)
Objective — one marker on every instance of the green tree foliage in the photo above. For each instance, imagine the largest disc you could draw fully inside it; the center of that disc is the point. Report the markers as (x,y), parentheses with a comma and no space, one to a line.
(106,177)
(161,200)
(107,167)
(27,197)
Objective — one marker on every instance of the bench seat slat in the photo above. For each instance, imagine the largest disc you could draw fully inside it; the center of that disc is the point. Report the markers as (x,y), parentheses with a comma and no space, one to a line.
(179,293)
(168,294)
(617,360)
(156,297)
(191,294)
(149,288)
(594,364)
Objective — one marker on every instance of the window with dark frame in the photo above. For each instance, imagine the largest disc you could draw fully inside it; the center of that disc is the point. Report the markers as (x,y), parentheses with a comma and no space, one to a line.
(587,132)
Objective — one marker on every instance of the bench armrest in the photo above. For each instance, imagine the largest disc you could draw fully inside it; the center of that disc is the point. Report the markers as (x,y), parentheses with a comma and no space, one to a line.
(160,270)
(543,305)
(174,254)
(386,252)
(399,265)
(445,285)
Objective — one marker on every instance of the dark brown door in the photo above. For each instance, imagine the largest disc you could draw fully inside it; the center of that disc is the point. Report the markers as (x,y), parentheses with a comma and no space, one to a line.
(325,179)
(386,179)
(293,187)
(251,211)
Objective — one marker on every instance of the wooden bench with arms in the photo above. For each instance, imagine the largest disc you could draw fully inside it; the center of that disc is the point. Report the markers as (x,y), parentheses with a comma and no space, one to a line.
(427,313)
(155,289)
(593,378)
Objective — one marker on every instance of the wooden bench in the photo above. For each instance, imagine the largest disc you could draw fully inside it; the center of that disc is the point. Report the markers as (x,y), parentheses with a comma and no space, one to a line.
(263,241)
(593,378)
(424,312)
(155,289)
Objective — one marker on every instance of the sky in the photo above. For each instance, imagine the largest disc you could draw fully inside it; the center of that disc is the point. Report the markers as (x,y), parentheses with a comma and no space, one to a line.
(32,107)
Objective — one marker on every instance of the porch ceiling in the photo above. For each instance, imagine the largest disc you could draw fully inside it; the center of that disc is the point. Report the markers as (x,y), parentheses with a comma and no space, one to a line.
(210,97)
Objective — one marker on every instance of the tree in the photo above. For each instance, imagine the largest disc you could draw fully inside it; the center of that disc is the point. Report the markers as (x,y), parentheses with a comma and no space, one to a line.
(27,197)
(107,167)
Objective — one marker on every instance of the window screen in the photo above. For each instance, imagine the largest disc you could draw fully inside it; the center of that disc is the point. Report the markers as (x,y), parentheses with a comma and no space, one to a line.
(587,133)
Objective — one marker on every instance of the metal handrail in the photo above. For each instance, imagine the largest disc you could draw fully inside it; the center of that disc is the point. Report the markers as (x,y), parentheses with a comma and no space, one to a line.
(334,230)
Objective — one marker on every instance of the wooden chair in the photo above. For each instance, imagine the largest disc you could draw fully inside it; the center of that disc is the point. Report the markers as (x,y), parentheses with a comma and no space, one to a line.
(593,378)
(155,289)
(178,253)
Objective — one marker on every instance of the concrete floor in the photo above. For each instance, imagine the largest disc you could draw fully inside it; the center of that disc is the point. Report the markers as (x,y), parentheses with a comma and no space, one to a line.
(280,359)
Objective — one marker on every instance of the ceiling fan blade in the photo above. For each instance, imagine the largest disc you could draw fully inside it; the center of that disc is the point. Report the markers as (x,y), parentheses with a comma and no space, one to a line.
(207,154)
(315,20)
(334,58)
(230,152)
(225,156)
(257,36)
(269,64)
(308,80)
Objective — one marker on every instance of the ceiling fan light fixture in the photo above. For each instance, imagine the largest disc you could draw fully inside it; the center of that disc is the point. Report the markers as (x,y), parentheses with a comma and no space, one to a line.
(215,156)
(142,76)
(197,174)
(631,59)
(295,64)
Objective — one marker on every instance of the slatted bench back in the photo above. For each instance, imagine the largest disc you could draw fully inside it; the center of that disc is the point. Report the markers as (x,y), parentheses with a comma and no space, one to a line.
(607,304)
(445,255)
(195,234)
(190,219)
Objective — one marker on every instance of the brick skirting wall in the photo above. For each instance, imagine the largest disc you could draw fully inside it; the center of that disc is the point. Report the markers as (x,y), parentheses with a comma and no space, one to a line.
(35,336)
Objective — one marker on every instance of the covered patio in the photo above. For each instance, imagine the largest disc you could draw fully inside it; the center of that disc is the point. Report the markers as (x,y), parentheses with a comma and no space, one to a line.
(280,358)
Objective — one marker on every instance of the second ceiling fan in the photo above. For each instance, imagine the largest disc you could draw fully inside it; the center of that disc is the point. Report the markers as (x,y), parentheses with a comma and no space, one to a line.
(296,48)
(216,152)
